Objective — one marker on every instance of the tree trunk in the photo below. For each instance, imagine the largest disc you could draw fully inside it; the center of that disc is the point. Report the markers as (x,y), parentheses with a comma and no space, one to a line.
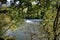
(55,24)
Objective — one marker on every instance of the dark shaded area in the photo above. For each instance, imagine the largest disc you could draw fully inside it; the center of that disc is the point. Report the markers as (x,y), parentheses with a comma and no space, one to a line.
(32,18)
(3,1)
(1,38)
(10,39)
(3,11)
(42,15)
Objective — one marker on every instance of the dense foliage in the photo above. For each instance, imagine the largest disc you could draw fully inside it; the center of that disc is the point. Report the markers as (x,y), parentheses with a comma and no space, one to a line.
(32,9)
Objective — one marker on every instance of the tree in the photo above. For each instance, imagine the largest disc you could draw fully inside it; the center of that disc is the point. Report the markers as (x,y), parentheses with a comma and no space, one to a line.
(55,26)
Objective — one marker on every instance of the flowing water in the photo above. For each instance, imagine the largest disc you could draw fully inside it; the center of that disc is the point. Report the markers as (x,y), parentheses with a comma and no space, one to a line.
(25,30)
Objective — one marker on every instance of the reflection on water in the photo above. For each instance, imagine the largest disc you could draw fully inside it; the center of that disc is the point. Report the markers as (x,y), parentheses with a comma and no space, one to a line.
(32,20)
(26,29)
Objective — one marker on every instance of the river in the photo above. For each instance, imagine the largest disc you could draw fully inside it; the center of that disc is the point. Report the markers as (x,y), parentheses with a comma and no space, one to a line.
(25,30)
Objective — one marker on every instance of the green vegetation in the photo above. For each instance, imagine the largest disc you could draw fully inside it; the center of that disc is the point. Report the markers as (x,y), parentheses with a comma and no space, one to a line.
(48,10)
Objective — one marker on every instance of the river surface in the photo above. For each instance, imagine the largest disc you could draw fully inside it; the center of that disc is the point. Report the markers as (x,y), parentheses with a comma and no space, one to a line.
(25,30)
